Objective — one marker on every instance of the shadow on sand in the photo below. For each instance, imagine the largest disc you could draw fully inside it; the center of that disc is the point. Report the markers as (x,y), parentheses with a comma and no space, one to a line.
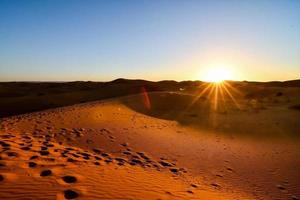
(226,118)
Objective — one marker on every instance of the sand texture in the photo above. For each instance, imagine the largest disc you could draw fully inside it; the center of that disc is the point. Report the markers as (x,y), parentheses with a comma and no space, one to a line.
(116,149)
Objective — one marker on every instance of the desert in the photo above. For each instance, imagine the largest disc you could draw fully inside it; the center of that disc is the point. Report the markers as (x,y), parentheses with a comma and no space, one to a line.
(120,148)
(149,100)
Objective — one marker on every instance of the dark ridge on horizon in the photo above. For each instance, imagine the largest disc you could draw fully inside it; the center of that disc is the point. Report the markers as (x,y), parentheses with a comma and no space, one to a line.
(292,83)
(23,97)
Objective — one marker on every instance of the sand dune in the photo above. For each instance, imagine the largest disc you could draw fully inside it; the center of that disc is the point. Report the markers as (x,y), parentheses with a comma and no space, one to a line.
(63,172)
(115,149)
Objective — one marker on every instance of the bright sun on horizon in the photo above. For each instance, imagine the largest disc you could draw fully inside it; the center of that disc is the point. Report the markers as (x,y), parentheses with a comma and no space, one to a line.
(217,74)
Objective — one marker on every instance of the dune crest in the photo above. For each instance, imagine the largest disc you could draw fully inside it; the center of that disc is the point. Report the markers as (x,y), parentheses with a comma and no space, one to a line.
(107,150)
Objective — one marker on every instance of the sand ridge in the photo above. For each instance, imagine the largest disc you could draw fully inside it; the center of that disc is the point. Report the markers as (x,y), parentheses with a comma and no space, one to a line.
(106,150)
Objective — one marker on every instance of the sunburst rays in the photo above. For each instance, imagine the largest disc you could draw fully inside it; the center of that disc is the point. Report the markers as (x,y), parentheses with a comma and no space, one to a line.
(219,96)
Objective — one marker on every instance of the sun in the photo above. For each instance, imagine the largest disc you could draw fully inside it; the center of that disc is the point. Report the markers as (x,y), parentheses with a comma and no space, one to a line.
(217,75)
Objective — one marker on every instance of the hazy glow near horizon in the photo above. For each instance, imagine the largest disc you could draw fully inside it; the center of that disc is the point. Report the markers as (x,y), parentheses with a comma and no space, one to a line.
(54,40)
(217,74)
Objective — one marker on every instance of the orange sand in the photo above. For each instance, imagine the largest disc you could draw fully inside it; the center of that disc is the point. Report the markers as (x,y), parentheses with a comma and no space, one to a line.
(114,152)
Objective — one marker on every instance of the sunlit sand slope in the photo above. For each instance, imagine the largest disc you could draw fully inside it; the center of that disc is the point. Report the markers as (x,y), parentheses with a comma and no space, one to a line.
(109,150)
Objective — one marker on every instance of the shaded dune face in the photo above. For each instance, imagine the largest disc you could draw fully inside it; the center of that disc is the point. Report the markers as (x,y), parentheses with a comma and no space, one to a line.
(166,105)
(240,116)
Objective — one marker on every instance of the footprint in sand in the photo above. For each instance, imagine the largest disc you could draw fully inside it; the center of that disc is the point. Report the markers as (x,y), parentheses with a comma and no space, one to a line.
(108,160)
(98,151)
(165,163)
(105,154)
(229,169)
(174,170)
(97,158)
(33,157)
(4,144)
(25,148)
(44,153)
(12,154)
(190,191)
(144,156)
(32,164)
(135,161)
(219,175)
(46,172)
(49,145)
(44,148)
(120,161)
(280,187)
(125,144)
(63,155)
(85,154)
(86,157)
(127,152)
(7,136)
(215,185)
(69,179)
(74,155)
(26,137)
(70,194)
(97,163)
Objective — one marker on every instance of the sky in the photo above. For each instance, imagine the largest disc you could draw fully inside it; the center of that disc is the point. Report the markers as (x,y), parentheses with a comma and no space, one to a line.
(101,40)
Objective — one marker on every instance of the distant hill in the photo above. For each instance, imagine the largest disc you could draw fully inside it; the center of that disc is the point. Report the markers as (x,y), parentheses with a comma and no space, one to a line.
(290,83)
(23,97)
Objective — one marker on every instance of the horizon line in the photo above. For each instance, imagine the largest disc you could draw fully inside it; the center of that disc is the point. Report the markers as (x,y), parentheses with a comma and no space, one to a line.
(131,79)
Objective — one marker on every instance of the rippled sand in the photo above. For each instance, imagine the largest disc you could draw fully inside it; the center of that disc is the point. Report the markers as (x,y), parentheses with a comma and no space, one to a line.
(105,150)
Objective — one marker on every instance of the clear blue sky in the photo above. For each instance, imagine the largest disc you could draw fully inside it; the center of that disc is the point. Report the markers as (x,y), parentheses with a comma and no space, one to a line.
(102,40)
